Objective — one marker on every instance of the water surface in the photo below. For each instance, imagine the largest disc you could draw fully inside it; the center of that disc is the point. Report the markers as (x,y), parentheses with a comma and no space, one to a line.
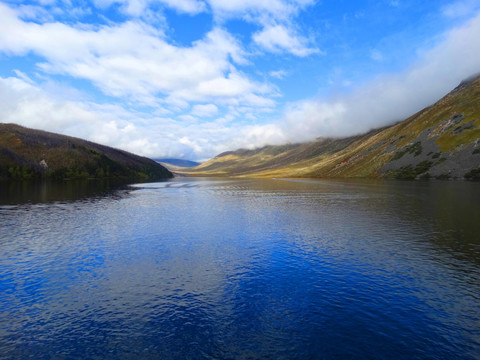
(228,269)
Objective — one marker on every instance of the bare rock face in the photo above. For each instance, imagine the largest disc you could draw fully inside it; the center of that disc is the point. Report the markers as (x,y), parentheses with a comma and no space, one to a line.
(423,158)
(43,164)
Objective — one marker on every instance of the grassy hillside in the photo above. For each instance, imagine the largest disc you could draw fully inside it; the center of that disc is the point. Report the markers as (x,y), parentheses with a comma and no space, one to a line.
(31,154)
(441,141)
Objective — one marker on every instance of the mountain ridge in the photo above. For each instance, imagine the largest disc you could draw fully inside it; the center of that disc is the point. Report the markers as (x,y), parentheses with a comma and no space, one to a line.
(440,141)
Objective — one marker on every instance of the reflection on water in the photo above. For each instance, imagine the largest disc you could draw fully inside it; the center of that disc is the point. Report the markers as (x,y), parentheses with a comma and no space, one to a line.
(202,268)
(47,191)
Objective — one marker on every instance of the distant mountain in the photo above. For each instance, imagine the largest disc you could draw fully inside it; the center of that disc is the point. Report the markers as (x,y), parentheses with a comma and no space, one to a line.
(33,154)
(179,162)
(441,141)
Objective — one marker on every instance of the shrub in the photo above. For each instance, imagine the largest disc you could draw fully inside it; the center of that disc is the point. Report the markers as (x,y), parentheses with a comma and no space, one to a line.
(473,175)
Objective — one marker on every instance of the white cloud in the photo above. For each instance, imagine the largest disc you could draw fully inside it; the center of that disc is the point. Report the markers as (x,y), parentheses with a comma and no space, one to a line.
(138,7)
(276,18)
(278,38)
(259,135)
(308,119)
(388,98)
(192,144)
(186,6)
(278,9)
(26,103)
(134,60)
(48,10)
(206,110)
(279,74)
(32,12)
(188,118)
(384,100)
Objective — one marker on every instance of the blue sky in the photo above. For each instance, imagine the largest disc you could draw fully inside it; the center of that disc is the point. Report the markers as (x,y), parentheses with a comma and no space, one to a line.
(193,78)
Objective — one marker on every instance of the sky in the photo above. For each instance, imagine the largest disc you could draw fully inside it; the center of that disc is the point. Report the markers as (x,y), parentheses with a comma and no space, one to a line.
(193,78)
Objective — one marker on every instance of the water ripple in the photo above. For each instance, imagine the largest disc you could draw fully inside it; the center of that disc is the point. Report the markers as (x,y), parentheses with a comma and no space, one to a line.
(220,269)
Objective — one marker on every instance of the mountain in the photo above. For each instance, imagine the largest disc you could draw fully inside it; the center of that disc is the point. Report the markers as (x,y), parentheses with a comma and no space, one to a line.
(32,154)
(440,141)
(178,162)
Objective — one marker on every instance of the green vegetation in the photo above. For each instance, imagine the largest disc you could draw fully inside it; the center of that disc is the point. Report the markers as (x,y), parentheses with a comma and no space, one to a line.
(23,172)
(415,149)
(450,141)
(473,174)
(410,173)
(27,154)
(443,177)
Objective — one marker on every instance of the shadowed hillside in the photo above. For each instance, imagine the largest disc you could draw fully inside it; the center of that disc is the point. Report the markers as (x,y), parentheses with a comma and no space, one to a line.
(440,141)
(31,154)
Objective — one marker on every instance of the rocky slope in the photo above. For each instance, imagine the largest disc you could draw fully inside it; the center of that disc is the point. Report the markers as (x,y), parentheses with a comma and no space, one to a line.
(441,141)
(31,154)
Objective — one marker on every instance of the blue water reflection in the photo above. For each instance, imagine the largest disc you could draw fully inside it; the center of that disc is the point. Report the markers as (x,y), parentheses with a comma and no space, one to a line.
(201,268)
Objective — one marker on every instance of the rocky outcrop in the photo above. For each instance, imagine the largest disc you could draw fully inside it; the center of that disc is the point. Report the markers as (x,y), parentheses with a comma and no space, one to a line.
(422,158)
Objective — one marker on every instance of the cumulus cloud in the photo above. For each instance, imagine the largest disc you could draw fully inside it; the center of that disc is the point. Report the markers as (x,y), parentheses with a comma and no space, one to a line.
(134,60)
(33,12)
(137,7)
(278,38)
(386,99)
(186,6)
(30,104)
(206,110)
(25,103)
(276,18)
(273,9)
(136,64)
(278,9)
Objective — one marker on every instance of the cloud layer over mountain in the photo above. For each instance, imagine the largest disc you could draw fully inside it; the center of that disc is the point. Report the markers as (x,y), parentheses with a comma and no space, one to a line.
(124,81)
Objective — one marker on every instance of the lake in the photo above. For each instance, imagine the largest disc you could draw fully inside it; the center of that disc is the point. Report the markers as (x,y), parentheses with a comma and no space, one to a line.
(240,269)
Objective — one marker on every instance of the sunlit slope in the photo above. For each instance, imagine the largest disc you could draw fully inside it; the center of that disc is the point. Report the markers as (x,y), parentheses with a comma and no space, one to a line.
(441,141)
(30,154)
